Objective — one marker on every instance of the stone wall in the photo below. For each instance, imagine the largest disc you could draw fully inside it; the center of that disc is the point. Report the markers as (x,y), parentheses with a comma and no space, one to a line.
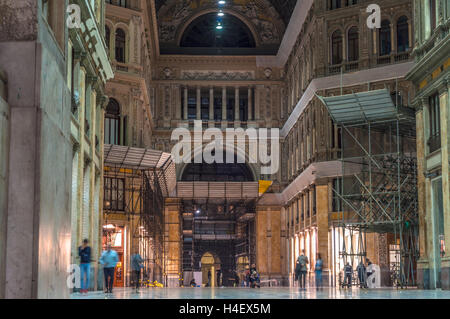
(4,154)
(38,221)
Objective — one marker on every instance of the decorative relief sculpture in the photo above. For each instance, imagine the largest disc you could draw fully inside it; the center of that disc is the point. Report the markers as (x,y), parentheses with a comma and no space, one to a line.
(218,75)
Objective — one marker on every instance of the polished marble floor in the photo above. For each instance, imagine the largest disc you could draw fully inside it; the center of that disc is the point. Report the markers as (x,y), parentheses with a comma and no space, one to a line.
(265,293)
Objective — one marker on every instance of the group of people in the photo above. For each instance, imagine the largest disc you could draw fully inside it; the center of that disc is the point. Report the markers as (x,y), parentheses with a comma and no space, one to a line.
(362,271)
(301,269)
(109,260)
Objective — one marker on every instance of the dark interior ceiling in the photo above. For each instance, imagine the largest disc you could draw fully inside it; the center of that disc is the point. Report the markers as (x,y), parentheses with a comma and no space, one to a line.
(285,8)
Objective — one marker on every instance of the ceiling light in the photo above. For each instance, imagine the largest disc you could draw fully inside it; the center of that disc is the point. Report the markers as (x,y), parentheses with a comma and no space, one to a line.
(219,26)
(221,14)
(222,2)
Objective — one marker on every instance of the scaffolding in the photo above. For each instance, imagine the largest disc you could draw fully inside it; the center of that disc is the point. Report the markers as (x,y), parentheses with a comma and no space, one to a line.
(145,178)
(377,189)
(223,227)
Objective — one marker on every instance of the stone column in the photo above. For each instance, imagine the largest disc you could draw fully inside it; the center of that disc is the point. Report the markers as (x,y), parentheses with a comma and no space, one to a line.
(250,106)
(211,103)
(224,103)
(199,105)
(185,106)
(268,242)
(236,103)
(177,91)
(322,202)
(445,141)
(172,242)
(4,158)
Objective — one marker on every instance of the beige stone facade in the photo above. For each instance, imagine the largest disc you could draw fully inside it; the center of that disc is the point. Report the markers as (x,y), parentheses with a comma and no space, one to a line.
(55,89)
(430,77)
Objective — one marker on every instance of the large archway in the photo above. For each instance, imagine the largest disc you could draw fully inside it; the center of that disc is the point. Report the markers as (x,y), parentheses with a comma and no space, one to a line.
(218,229)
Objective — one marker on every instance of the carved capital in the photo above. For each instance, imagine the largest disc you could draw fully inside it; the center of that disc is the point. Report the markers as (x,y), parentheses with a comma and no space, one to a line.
(103,101)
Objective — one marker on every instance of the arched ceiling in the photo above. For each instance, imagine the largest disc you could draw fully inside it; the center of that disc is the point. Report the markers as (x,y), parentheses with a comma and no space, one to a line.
(283,7)
(266,19)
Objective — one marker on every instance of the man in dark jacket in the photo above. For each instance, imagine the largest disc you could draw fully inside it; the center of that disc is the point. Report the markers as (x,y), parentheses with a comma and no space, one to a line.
(361,269)
(84,252)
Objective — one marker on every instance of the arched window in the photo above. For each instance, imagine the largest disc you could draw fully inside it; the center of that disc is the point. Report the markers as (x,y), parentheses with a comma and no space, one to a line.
(402,34)
(218,172)
(107,37)
(120,45)
(204,32)
(385,38)
(353,44)
(336,47)
(112,123)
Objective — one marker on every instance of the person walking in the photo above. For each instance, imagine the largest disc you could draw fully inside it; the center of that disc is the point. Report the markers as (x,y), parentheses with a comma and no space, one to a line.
(254,277)
(348,270)
(247,277)
(84,252)
(361,270)
(318,270)
(302,262)
(109,260)
(136,266)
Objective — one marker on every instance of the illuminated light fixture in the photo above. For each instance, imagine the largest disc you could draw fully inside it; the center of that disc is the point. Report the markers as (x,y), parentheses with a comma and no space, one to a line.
(109,226)
(198,211)
(221,14)
(219,26)
(222,2)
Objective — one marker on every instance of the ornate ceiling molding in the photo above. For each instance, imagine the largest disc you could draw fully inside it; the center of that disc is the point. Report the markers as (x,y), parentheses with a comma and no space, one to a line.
(262,16)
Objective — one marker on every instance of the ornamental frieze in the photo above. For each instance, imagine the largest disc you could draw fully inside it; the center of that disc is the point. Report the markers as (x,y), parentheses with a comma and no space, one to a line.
(218,75)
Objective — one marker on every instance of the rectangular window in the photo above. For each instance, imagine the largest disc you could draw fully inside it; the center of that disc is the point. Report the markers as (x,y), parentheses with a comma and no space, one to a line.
(434,142)
(314,201)
(303,207)
(205,106)
(192,105)
(114,194)
(432,14)
(308,212)
(112,131)
(337,202)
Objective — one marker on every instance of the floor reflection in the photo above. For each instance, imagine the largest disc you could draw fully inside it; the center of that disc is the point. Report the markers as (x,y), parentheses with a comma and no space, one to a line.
(265,293)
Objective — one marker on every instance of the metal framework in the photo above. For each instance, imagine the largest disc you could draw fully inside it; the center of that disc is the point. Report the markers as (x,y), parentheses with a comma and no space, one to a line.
(147,179)
(223,227)
(381,196)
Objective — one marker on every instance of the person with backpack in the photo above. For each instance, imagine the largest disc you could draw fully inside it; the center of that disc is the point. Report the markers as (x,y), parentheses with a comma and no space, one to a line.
(302,262)
(84,252)
(318,270)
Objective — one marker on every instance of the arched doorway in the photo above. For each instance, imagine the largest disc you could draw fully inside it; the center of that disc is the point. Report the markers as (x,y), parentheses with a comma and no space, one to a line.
(210,266)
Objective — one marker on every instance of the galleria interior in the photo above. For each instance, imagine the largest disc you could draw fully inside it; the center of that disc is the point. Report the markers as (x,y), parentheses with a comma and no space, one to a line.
(87,115)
